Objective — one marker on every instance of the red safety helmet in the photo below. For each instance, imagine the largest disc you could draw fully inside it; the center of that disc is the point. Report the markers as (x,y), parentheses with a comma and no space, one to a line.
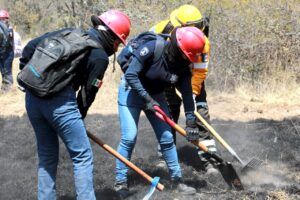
(191,41)
(4,14)
(118,22)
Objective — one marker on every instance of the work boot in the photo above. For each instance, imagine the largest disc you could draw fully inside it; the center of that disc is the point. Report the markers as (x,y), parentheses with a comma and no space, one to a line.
(182,188)
(207,162)
(161,163)
(208,165)
(122,189)
(211,169)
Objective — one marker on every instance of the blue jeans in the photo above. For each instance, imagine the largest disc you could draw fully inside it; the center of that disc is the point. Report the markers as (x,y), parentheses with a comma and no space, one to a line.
(130,105)
(6,61)
(55,117)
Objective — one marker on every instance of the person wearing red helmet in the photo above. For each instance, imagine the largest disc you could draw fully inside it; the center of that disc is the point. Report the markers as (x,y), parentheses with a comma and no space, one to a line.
(4,14)
(142,88)
(189,15)
(186,39)
(6,51)
(62,114)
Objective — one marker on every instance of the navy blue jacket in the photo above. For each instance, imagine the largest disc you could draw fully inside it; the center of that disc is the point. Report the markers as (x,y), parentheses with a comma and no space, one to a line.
(149,78)
(91,68)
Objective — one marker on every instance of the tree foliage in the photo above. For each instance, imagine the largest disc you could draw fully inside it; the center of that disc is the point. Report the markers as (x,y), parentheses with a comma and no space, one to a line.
(251,41)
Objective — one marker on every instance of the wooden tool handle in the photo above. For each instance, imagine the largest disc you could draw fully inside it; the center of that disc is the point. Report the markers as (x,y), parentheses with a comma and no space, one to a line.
(110,150)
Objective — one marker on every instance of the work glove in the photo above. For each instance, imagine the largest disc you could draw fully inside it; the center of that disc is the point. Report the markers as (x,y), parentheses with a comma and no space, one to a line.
(192,131)
(204,112)
(150,103)
(173,78)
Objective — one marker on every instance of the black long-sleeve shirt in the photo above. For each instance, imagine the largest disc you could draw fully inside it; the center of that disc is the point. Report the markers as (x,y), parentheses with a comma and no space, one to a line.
(149,78)
(91,69)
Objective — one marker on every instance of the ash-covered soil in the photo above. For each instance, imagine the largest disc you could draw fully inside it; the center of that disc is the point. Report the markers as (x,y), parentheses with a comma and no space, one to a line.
(276,143)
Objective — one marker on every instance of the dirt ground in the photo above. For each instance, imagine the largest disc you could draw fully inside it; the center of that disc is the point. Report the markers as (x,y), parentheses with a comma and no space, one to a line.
(253,126)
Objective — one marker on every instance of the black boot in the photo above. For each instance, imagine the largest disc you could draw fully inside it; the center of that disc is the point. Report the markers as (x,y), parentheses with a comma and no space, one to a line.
(182,188)
(208,164)
(122,189)
(161,163)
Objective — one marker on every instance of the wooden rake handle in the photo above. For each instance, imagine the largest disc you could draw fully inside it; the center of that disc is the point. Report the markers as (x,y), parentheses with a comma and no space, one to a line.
(212,130)
(113,152)
(216,135)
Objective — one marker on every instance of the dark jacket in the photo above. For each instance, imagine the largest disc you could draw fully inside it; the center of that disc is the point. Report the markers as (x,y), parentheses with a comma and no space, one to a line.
(91,69)
(149,78)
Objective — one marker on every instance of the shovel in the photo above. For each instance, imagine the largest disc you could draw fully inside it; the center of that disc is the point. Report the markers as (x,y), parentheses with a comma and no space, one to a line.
(254,163)
(226,169)
(113,152)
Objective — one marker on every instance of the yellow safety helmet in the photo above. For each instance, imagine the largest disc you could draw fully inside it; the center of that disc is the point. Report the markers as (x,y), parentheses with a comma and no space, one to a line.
(187,15)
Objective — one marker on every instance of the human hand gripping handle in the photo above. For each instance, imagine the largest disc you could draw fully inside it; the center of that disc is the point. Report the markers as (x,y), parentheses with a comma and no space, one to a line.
(191,128)
(150,103)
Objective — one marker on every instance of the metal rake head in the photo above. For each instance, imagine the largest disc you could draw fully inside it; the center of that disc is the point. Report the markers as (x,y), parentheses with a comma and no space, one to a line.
(253,164)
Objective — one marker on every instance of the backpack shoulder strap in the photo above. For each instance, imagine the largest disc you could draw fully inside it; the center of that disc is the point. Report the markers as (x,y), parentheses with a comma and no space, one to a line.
(90,41)
(159,47)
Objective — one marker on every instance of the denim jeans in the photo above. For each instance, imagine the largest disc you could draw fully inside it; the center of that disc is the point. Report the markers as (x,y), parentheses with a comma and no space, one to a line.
(130,105)
(6,61)
(55,117)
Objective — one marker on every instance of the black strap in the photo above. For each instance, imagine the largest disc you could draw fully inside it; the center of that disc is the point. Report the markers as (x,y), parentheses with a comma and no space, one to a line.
(159,47)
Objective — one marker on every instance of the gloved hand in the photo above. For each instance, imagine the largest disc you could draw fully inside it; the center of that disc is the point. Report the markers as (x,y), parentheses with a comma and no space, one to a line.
(191,128)
(173,78)
(150,103)
(204,112)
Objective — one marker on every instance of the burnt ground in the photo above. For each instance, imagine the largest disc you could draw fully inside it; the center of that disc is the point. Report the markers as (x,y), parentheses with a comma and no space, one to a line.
(276,143)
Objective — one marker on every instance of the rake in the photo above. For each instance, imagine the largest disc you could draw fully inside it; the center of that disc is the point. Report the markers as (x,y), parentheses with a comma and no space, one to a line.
(226,169)
(253,164)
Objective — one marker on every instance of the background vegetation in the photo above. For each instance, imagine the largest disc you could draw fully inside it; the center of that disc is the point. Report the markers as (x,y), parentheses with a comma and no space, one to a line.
(254,43)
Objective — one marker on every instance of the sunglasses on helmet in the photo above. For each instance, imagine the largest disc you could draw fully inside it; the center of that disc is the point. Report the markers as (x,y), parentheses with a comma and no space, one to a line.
(201,23)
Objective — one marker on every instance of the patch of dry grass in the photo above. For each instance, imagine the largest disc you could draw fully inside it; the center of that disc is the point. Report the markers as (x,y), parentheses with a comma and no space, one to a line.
(278,195)
(279,88)
(247,103)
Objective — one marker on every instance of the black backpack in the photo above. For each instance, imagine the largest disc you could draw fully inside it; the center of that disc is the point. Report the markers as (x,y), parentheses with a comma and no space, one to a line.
(4,37)
(53,65)
(125,57)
